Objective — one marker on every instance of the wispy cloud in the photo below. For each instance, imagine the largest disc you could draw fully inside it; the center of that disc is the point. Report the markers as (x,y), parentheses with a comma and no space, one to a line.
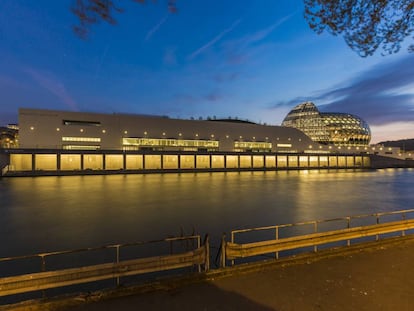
(170,57)
(53,85)
(153,30)
(382,95)
(239,49)
(214,40)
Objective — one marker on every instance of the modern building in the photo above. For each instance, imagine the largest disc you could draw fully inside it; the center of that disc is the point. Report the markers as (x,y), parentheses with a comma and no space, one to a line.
(47,129)
(340,129)
(67,143)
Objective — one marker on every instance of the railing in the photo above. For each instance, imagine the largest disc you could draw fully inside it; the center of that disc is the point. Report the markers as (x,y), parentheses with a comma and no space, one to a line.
(199,256)
(192,253)
(232,250)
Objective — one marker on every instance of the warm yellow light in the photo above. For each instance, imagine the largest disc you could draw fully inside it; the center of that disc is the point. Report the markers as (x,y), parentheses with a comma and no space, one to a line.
(145,133)
(163,133)
(31,128)
(339,147)
(179,134)
(310,146)
(125,132)
(81,130)
(196,135)
(227,136)
(104,131)
(58,129)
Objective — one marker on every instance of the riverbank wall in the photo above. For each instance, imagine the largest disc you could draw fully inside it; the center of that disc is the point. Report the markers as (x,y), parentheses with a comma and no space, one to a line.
(378,162)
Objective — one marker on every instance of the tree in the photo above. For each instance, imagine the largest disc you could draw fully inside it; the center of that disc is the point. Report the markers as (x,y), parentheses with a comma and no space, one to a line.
(90,12)
(366,25)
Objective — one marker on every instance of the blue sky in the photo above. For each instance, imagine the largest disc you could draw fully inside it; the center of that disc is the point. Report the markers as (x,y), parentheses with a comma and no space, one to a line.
(248,59)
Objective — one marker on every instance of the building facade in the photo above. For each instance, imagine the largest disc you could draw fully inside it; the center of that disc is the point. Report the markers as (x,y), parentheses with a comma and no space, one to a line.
(339,129)
(47,129)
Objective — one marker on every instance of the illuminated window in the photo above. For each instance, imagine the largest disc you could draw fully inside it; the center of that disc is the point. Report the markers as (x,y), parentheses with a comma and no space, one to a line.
(82,139)
(253,145)
(80,147)
(284,145)
(165,142)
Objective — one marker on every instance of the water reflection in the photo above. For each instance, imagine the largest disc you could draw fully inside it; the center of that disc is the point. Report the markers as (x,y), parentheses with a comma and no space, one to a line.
(55,213)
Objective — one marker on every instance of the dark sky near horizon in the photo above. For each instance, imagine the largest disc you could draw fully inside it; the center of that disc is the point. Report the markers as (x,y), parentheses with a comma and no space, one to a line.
(247,59)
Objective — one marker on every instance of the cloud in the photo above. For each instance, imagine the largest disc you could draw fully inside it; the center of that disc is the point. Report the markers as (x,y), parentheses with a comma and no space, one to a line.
(382,95)
(214,40)
(213,97)
(153,30)
(170,57)
(226,77)
(48,82)
(237,48)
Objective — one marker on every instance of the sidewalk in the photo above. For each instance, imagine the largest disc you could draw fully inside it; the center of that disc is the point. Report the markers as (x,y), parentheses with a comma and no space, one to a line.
(375,276)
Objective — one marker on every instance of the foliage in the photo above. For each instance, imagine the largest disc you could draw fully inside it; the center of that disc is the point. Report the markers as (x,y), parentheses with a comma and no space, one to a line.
(366,25)
(90,12)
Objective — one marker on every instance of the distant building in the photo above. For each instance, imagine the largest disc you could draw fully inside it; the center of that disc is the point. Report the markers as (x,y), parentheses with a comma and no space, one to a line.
(9,136)
(340,129)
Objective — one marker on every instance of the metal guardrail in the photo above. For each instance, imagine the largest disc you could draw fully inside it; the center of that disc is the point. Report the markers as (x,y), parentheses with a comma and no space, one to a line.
(200,256)
(232,250)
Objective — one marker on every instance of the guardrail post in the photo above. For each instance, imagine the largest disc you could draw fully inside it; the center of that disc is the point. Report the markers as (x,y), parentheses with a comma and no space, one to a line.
(207,253)
(43,269)
(277,238)
(403,217)
(232,241)
(348,219)
(223,251)
(117,261)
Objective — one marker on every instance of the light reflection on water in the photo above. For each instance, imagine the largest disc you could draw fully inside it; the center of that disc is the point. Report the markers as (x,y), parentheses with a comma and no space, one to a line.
(57,213)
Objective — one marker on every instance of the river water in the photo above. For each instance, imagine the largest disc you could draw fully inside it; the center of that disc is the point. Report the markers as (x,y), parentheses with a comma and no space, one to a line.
(56,213)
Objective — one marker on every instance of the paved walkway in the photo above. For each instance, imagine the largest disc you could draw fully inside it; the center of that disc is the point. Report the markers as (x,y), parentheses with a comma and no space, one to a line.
(379,277)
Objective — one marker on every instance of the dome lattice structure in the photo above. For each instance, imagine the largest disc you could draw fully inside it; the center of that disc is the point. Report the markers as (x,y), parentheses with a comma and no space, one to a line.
(341,129)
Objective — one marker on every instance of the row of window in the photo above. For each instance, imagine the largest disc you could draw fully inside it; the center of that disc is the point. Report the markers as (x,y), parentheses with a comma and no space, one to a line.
(82,139)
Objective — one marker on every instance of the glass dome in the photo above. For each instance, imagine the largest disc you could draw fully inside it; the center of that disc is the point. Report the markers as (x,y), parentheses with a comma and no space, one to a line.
(342,129)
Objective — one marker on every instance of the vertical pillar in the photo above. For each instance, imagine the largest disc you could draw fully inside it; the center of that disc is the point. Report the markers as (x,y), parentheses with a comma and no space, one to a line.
(33,162)
(58,155)
(82,162)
